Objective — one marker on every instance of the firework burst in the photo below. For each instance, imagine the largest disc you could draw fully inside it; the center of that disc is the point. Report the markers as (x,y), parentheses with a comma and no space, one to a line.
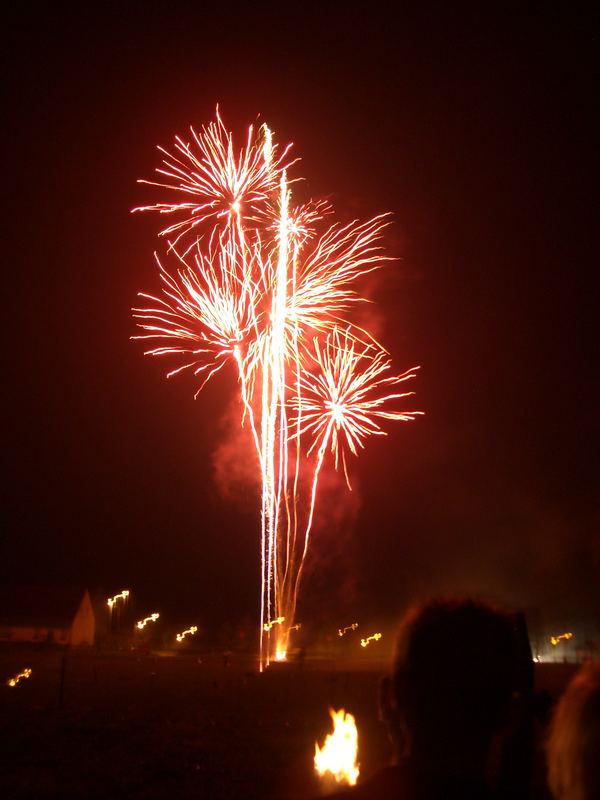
(249,279)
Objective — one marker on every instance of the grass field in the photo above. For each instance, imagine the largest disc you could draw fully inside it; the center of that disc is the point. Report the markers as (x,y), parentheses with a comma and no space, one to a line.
(155,726)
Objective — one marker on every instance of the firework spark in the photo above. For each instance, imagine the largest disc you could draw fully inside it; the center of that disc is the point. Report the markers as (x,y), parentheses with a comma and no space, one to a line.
(252,281)
(347,629)
(217,183)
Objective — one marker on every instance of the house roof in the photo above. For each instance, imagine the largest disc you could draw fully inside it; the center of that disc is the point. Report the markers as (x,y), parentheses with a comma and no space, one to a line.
(39,606)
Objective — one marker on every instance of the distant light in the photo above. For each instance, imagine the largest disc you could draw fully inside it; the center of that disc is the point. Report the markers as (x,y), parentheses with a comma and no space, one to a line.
(25,674)
(374,638)
(121,596)
(143,622)
(268,625)
(189,631)
(554,640)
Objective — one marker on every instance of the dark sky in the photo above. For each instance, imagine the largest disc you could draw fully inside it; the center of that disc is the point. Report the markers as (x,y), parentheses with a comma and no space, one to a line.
(475,130)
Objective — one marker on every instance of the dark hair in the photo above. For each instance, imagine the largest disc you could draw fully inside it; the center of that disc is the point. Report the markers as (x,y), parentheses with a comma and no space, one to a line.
(454,672)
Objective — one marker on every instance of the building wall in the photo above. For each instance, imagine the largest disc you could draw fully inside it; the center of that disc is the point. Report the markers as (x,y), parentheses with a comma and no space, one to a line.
(83,628)
(14,633)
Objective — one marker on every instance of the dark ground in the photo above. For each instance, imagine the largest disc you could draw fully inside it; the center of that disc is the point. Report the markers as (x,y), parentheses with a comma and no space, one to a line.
(171,727)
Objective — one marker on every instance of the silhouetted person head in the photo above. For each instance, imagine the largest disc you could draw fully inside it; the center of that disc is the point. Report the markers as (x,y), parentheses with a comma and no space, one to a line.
(451,686)
(574,743)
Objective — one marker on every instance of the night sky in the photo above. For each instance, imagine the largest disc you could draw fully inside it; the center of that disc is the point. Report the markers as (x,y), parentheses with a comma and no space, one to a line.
(476,132)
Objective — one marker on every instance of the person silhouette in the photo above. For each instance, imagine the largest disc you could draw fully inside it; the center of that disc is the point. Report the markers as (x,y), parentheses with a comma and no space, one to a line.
(573,747)
(448,704)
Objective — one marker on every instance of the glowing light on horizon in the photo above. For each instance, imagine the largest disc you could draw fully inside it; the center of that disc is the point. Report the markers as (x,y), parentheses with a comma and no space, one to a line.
(143,622)
(187,632)
(24,674)
(339,754)
(121,596)
(554,640)
(374,638)
(252,281)
(347,629)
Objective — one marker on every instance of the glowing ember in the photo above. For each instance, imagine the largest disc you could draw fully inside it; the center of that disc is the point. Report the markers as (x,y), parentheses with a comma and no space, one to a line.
(340,751)
(121,596)
(143,622)
(374,638)
(344,631)
(188,632)
(267,288)
(554,640)
(13,681)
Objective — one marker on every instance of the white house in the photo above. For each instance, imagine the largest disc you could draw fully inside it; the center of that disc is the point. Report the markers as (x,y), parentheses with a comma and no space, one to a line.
(53,614)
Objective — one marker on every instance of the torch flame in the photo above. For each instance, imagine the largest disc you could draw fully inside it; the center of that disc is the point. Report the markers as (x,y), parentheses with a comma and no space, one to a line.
(121,596)
(143,622)
(554,640)
(268,625)
(340,751)
(374,638)
(189,631)
(13,681)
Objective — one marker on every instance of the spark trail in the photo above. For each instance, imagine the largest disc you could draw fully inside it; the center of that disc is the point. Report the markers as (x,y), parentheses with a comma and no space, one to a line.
(252,281)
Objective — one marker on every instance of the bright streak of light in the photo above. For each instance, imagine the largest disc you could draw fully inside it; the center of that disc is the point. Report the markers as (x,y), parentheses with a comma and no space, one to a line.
(143,622)
(295,627)
(554,640)
(121,596)
(25,674)
(216,183)
(188,632)
(347,629)
(252,282)
(339,754)
(374,638)
(268,625)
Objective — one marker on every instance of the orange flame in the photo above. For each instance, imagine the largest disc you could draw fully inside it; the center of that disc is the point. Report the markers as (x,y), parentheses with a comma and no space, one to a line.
(339,754)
